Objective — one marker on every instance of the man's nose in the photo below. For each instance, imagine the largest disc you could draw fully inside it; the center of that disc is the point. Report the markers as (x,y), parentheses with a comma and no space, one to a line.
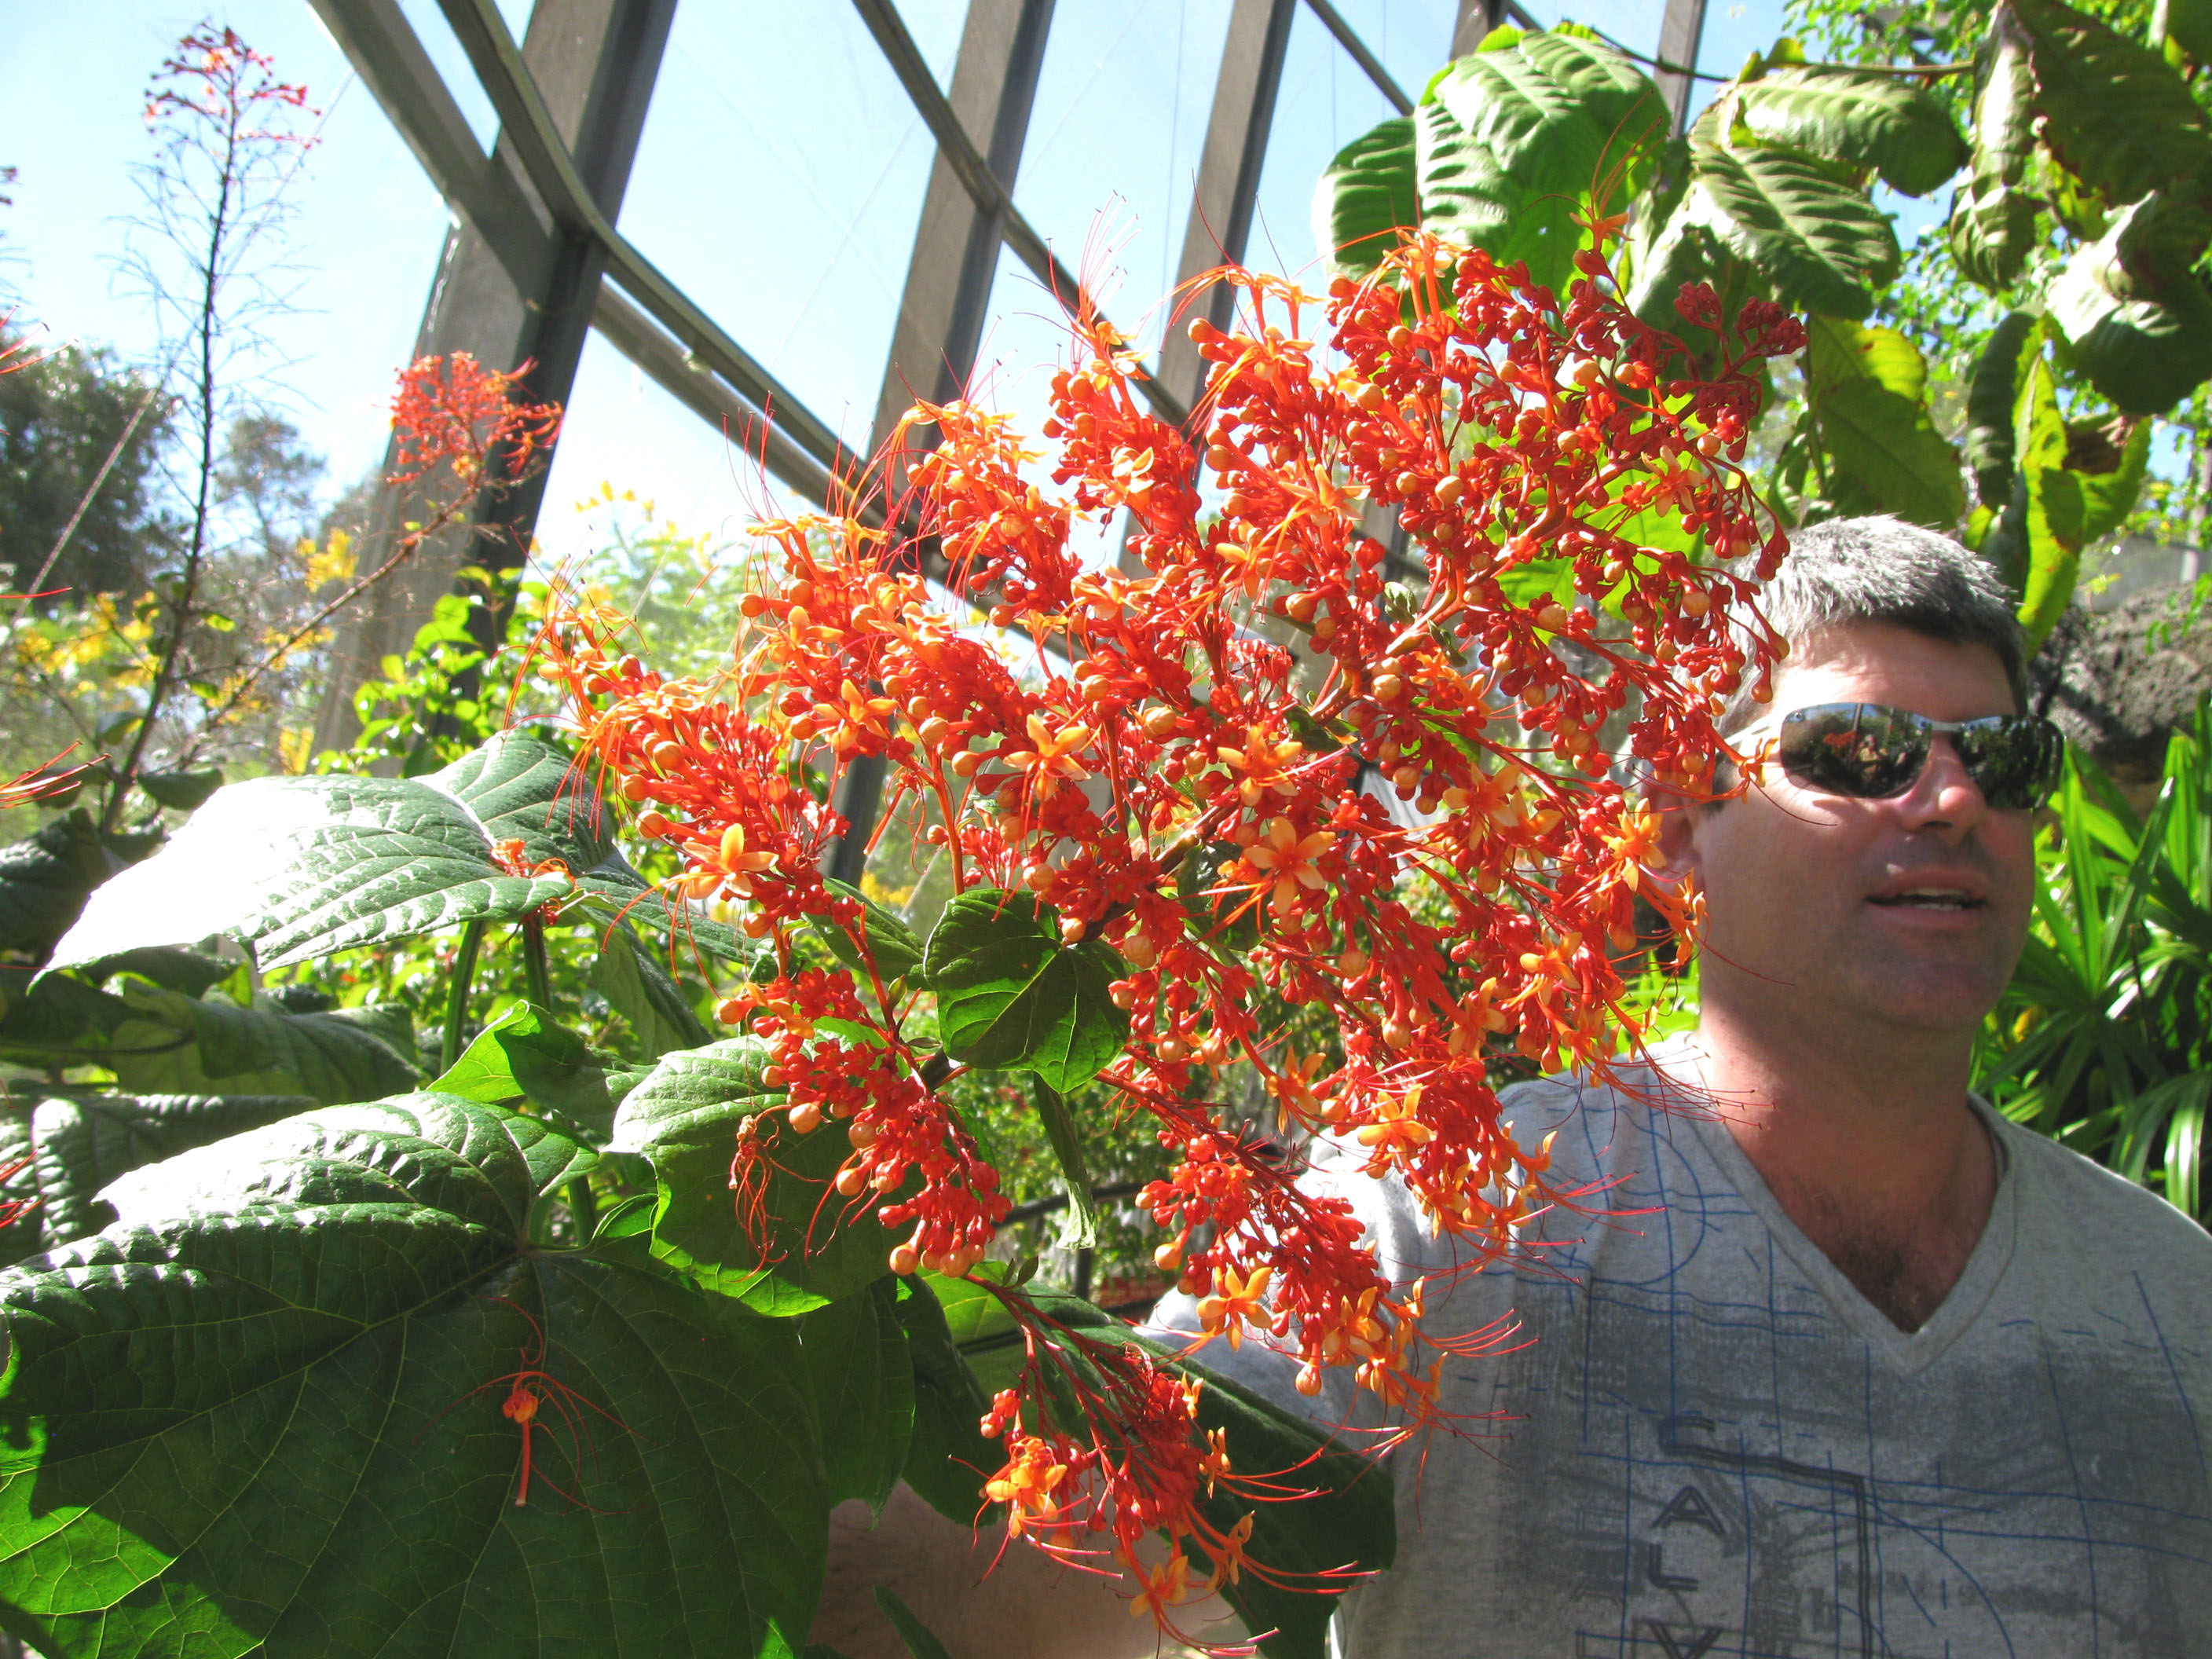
(1945,795)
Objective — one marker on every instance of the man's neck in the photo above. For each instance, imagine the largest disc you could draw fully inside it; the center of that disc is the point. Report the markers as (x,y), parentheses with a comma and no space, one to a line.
(1870,1146)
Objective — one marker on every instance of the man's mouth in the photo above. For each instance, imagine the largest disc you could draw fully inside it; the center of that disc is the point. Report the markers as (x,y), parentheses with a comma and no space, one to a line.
(1929,898)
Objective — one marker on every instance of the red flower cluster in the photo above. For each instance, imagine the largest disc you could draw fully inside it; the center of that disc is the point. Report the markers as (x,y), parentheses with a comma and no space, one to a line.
(1195,762)
(452,412)
(218,78)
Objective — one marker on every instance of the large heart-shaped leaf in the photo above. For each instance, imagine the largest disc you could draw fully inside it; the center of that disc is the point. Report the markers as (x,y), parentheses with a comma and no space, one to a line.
(521,788)
(300,868)
(1821,243)
(2136,316)
(780,1239)
(1992,224)
(2115,112)
(1877,121)
(1884,452)
(1535,127)
(168,1044)
(78,1144)
(344,1479)
(1366,194)
(1010,996)
(855,1354)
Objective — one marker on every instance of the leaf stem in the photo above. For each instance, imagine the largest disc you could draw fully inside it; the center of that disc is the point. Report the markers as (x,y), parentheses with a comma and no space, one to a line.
(583,1208)
(533,962)
(457,997)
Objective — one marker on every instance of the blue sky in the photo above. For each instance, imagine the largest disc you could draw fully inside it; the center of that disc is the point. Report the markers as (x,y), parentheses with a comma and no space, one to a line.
(786,199)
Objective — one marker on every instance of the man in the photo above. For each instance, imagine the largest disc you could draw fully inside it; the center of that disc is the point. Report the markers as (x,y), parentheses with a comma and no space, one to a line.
(1854,1366)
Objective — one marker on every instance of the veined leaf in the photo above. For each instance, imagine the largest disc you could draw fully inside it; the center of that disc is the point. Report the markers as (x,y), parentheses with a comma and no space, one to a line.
(1877,121)
(1821,242)
(1989,436)
(745,1204)
(2116,114)
(629,974)
(1511,143)
(527,1054)
(1992,224)
(1365,194)
(855,1354)
(170,1043)
(45,879)
(345,1481)
(2136,319)
(1010,996)
(78,1143)
(1884,452)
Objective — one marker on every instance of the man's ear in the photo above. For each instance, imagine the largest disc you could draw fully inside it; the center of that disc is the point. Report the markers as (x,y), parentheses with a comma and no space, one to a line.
(1680,817)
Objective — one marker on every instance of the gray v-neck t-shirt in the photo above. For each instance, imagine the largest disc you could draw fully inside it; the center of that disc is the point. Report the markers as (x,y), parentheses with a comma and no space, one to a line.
(1703,1441)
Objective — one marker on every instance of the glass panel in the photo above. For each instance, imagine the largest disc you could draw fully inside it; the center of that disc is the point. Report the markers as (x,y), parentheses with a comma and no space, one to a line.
(624,431)
(1734,30)
(1113,144)
(779,182)
(1411,37)
(429,22)
(1325,102)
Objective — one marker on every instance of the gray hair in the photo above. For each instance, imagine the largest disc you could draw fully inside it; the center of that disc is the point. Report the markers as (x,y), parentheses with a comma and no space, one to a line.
(1883,570)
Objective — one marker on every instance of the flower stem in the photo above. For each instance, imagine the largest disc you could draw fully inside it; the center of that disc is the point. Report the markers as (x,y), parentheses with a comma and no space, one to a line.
(457,998)
(533,962)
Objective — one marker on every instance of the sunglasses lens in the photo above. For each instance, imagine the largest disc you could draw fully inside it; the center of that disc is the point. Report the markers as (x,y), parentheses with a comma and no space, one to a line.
(2014,761)
(1860,750)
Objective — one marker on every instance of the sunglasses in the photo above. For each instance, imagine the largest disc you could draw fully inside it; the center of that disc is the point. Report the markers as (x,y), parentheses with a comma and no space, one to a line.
(1869,752)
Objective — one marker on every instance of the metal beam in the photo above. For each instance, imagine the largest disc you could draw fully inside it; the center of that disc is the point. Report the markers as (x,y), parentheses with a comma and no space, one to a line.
(1682,31)
(956,244)
(1477,17)
(1348,38)
(512,288)
(957,150)
(526,121)
(1228,174)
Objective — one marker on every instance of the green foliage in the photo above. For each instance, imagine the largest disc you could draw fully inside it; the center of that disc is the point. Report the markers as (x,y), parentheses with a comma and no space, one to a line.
(2104,1038)
(1011,996)
(615,1223)
(2074,126)
(372,1275)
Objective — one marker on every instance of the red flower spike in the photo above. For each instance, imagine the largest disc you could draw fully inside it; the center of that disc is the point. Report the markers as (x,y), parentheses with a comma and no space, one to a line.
(1545,625)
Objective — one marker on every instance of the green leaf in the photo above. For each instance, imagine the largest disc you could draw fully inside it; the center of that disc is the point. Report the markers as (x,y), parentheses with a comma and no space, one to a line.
(45,880)
(80,1143)
(344,1481)
(2108,493)
(1878,121)
(1066,1144)
(2055,525)
(1821,243)
(300,867)
(181,791)
(1510,143)
(947,1458)
(527,1054)
(2115,114)
(168,1044)
(1364,195)
(1989,436)
(855,1350)
(920,1643)
(2136,316)
(892,944)
(618,893)
(522,788)
(1884,452)
(172,969)
(2189,26)
(783,1240)
(644,992)
(1992,223)
(1010,996)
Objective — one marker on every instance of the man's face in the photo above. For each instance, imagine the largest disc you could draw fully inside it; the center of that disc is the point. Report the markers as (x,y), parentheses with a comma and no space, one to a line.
(1908,912)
